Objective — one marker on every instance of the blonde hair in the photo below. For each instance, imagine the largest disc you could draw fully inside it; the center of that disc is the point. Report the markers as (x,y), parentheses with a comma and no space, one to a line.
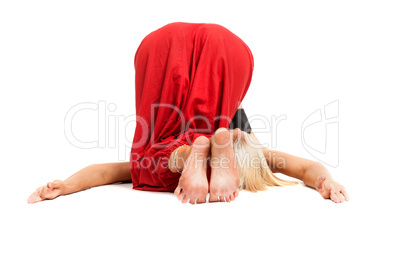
(255,174)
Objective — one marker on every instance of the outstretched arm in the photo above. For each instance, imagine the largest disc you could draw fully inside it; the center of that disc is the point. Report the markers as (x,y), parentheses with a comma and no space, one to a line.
(88,177)
(312,173)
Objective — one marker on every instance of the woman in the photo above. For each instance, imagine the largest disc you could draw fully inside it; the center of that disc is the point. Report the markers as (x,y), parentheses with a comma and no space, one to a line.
(190,81)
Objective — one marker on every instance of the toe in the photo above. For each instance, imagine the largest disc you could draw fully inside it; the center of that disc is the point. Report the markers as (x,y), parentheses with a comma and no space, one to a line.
(201,200)
(185,199)
(180,196)
(177,191)
(221,129)
(236,193)
(213,198)
(192,200)
(201,142)
(221,138)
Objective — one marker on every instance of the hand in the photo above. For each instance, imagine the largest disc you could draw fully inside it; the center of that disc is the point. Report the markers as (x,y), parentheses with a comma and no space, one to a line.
(331,189)
(48,191)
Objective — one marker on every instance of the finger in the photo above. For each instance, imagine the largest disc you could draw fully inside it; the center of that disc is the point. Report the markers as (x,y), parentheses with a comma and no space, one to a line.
(185,199)
(334,197)
(34,197)
(42,192)
(340,196)
(57,184)
(230,198)
(221,199)
(345,194)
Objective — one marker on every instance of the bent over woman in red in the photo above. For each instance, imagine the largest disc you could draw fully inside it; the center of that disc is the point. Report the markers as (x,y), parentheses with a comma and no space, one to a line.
(189,81)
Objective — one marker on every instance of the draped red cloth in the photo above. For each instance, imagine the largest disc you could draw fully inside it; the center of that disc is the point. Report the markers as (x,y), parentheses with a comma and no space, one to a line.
(189,80)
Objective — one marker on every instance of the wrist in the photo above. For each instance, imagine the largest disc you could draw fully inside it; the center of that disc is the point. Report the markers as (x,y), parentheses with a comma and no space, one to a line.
(67,188)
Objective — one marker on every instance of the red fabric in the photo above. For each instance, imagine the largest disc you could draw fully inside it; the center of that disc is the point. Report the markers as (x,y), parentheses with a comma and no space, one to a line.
(189,80)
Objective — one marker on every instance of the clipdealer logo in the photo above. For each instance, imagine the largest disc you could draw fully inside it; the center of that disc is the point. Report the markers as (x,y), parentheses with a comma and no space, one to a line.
(320,134)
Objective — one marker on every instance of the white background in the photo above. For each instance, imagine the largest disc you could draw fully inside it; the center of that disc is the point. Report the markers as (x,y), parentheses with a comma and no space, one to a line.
(54,55)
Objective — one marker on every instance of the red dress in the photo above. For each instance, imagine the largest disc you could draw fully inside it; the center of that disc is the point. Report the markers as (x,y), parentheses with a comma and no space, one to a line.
(190,79)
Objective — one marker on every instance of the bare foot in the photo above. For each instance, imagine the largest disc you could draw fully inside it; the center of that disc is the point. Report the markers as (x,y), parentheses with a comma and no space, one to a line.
(193,183)
(49,191)
(225,179)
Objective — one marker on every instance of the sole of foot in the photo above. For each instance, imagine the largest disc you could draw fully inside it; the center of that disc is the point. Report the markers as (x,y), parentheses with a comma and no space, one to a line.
(224,186)
(193,183)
